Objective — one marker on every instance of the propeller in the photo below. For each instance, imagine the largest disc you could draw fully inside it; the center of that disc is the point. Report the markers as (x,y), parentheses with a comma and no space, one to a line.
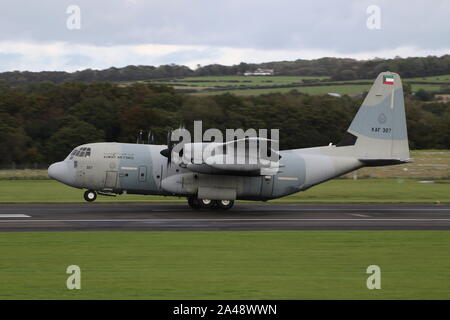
(168,151)
(170,145)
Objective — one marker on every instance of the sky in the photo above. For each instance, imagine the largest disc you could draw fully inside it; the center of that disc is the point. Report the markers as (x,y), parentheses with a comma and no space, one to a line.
(70,35)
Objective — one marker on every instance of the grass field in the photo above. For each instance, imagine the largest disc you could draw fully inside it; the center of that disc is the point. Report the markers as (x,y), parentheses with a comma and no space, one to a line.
(427,87)
(242,80)
(427,165)
(340,190)
(226,265)
(242,85)
(443,78)
(313,90)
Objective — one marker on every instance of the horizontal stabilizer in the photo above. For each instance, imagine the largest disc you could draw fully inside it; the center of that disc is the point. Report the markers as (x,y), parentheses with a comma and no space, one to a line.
(384,162)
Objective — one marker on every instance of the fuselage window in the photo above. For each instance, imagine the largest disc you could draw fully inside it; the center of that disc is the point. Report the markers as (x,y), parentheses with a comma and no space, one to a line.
(88,152)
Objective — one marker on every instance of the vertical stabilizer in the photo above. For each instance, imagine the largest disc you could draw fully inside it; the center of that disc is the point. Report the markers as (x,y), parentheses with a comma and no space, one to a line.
(379,128)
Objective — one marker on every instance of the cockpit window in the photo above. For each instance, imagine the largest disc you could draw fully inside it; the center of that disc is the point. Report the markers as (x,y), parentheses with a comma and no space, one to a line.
(83,152)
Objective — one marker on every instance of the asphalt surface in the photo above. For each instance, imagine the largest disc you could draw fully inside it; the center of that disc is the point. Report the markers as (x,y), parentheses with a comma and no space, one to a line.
(179,217)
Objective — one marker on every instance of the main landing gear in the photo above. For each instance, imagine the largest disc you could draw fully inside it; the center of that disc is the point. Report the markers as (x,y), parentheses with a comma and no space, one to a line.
(90,195)
(196,203)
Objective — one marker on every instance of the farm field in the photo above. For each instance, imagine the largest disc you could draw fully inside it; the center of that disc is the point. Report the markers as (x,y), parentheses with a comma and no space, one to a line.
(313,90)
(255,85)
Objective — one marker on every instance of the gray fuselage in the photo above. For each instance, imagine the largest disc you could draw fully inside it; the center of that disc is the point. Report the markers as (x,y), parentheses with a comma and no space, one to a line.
(141,169)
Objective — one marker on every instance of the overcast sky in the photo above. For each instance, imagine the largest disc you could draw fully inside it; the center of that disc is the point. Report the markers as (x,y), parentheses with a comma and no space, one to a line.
(34,34)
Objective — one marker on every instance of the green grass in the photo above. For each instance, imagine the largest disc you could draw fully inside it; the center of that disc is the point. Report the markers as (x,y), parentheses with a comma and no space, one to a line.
(427,87)
(246,81)
(24,174)
(314,90)
(235,82)
(226,265)
(374,190)
(349,89)
(443,78)
(339,190)
(201,83)
(427,165)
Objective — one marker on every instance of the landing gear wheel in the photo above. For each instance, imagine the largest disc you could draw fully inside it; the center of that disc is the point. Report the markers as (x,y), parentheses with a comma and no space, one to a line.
(90,195)
(225,204)
(194,203)
(206,203)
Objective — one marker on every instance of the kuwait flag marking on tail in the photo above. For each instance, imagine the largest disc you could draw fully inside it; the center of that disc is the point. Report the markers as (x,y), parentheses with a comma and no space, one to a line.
(388,79)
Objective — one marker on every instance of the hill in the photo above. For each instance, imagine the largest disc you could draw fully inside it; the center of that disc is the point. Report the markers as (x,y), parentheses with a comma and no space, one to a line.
(333,68)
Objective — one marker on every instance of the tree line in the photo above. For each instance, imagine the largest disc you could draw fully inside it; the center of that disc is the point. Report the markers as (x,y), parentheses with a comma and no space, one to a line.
(336,68)
(43,122)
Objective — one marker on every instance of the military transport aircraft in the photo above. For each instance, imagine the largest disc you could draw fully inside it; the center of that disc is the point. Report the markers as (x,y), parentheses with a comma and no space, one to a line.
(377,136)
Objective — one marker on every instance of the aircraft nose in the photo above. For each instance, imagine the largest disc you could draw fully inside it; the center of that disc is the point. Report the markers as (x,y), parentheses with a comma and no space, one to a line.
(59,171)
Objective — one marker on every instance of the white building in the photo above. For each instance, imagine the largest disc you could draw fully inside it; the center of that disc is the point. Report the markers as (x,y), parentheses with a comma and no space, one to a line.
(333,94)
(260,72)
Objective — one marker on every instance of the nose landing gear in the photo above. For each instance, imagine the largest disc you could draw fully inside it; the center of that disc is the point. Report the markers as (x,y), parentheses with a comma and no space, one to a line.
(90,195)
(196,203)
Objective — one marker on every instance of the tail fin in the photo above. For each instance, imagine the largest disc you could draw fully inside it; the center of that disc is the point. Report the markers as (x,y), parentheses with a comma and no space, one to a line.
(378,131)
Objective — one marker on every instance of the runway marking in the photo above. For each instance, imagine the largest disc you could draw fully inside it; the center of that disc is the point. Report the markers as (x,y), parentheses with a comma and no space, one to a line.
(360,209)
(2,215)
(264,209)
(359,215)
(222,220)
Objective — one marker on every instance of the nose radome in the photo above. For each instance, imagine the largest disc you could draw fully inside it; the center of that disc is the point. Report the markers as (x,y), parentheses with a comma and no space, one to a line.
(55,170)
(60,171)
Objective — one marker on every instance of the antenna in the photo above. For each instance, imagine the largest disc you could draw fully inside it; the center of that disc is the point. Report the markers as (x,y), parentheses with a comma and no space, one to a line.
(149,137)
(139,138)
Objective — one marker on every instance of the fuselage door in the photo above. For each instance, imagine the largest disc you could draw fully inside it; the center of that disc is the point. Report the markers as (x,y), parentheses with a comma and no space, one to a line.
(267,186)
(111,179)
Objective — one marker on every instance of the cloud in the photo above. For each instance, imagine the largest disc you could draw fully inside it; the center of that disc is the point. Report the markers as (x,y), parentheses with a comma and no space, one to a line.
(69,57)
(121,32)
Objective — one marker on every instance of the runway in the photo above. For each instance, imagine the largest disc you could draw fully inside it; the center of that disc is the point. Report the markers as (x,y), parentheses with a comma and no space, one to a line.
(244,216)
